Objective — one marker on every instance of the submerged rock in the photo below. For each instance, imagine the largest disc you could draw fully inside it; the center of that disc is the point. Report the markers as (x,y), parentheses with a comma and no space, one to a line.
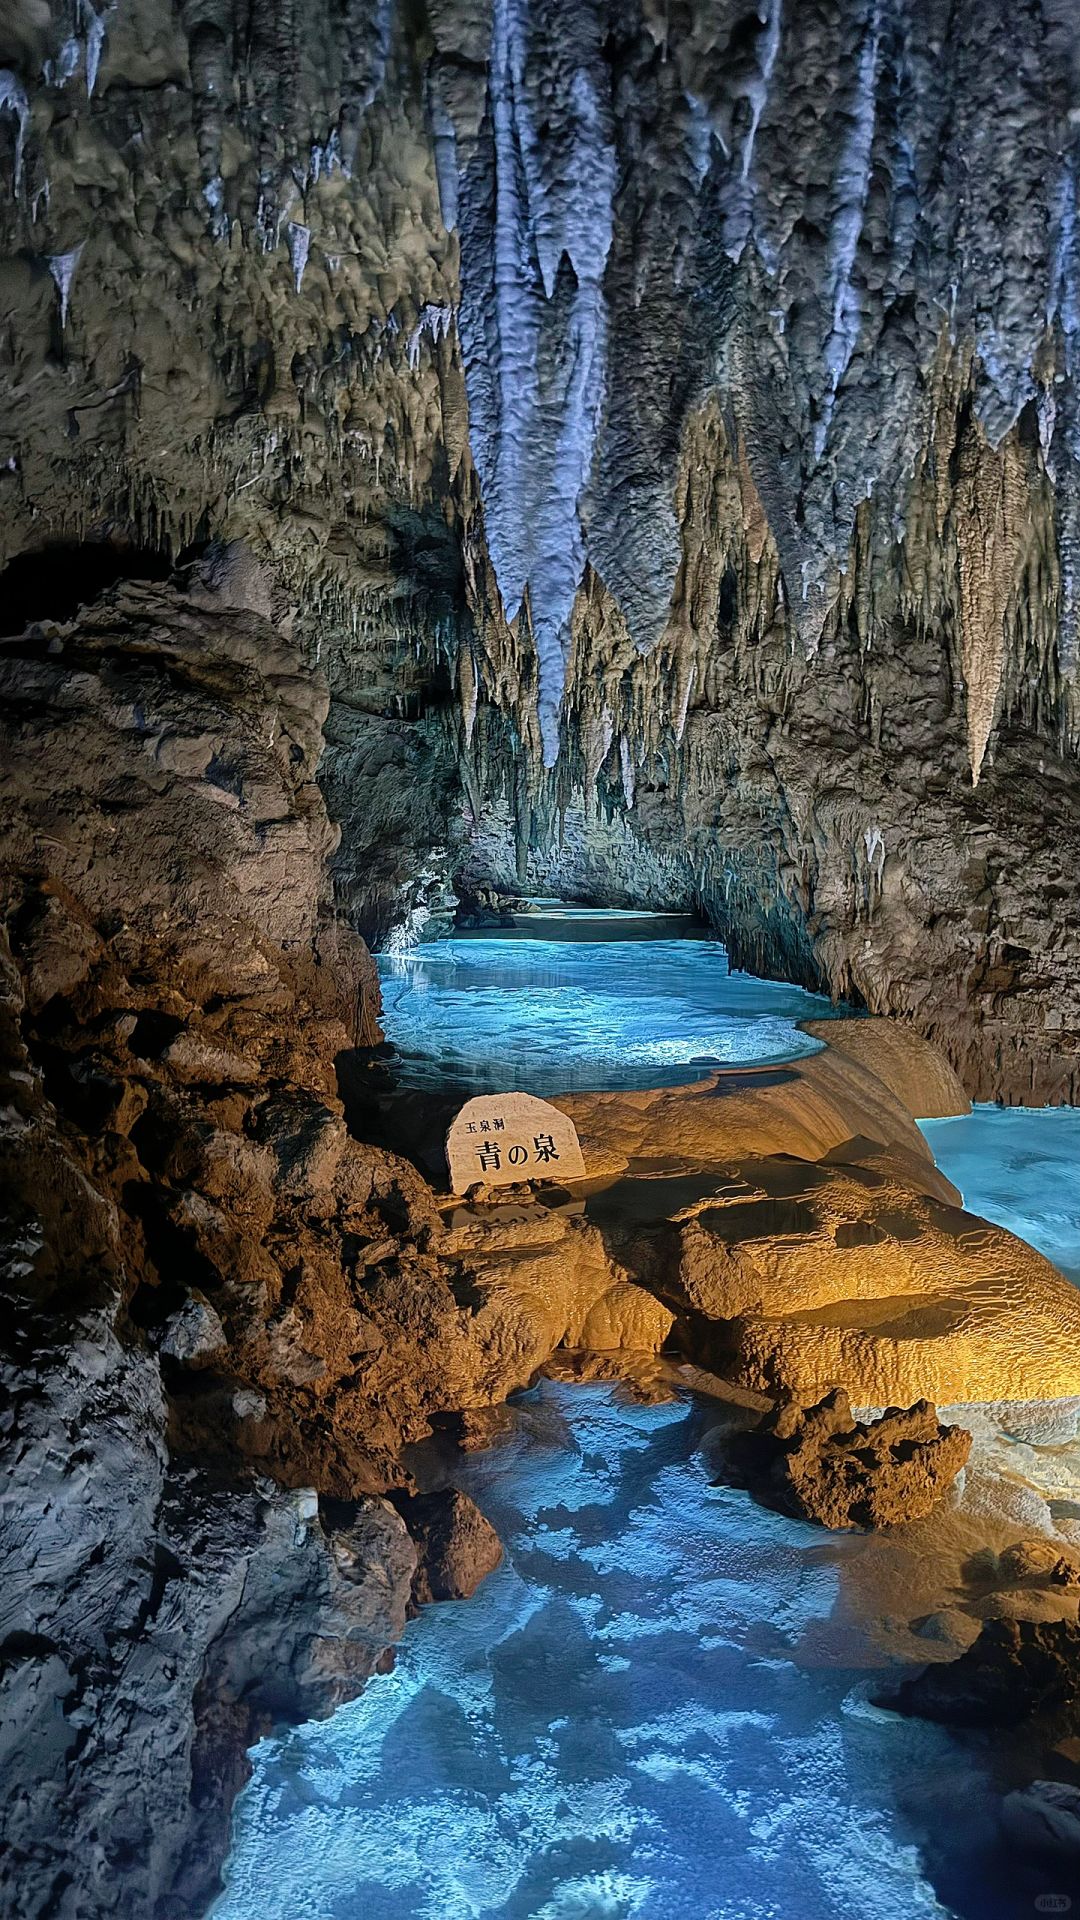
(823,1465)
(1044,1819)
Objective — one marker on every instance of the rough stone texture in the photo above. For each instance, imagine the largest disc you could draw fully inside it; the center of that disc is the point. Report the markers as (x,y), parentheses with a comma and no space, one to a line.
(213,1292)
(642,444)
(1015,1668)
(1044,1819)
(155,1615)
(1038,1563)
(456,1547)
(916,1072)
(823,1465)
(845,1277)
(794,1222)
(828,1104)
(746,479)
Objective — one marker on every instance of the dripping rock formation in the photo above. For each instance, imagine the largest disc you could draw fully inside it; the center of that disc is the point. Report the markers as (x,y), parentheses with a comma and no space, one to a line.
(662,420)
(621,448)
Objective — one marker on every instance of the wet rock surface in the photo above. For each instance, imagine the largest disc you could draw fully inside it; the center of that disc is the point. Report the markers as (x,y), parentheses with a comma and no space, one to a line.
(1044,1819)
(823,1465)
(456,1547)
(1016,1668)
(220,1305)
(794,522)
(707,539)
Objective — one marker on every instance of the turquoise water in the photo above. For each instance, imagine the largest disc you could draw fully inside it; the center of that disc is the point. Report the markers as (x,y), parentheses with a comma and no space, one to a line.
(552,1016)
(1019,1166)
(657,1709)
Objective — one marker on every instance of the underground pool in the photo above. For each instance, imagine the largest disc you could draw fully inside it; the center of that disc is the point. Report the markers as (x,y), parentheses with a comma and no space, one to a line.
(659,1708)
(555,1016)
(1019,1166)
(664,1704)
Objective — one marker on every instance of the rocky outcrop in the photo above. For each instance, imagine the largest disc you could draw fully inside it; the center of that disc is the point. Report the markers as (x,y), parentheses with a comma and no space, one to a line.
(219,1304)
(823,1465)
(707,537)
(805,1279)
(1044,1819)
(808,1242)
(456,1547)
(912,1069)
(157,1612)
(830,1105)
(1016,1668)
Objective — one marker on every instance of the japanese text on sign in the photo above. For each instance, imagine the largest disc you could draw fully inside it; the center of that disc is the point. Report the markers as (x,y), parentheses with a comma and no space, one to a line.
(499,1139)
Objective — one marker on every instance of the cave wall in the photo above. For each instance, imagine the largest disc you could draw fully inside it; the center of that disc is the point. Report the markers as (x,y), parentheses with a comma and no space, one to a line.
(661,424)
(627,449)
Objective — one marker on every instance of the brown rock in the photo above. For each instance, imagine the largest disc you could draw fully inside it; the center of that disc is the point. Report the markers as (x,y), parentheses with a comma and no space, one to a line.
(821,1464)
(1015,1668)
(456,1546)
(477,1428)
(1038,1563)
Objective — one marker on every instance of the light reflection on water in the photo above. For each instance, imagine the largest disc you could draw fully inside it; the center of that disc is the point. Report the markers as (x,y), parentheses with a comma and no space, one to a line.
(653,1711)
(1019,1166)
(551,1016)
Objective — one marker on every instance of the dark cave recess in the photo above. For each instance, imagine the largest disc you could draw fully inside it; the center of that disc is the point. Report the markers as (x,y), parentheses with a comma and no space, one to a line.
(51,582)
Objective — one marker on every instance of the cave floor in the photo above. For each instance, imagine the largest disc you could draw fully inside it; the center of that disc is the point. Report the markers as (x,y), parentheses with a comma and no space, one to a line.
(666,1702)
(660,1706)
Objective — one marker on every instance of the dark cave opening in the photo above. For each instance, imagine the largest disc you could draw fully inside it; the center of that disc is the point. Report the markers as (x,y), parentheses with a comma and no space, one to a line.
(52,582)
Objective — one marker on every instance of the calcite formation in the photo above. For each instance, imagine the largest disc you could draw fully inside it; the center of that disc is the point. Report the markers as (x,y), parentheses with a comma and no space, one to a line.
(823,1465)
(1014,1669)
(821,1276)
(631,450)
(662,419)
(456,1546)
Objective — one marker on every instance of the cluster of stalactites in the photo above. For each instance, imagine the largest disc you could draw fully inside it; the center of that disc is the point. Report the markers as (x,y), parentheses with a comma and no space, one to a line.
(300,115)
(977,567)
(783,207)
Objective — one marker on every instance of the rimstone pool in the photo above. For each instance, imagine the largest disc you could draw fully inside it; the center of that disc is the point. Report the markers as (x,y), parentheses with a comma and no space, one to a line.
(662,1705)
(658,1708)
(554,1015)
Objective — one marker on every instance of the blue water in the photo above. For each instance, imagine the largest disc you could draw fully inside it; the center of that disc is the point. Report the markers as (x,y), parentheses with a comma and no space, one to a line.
(552,1016)
(1019,1166)
(657,1709)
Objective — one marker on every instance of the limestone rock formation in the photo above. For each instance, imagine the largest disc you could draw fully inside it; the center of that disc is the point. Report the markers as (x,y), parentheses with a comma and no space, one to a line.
(628,449)
(912,1069)
(828,1105)
(1014,1669)
(812,1278)
(1044,1819)
(157,1612)
(823,1465)
(210,1284)
(456,1546)
(793,1220)
(710,534)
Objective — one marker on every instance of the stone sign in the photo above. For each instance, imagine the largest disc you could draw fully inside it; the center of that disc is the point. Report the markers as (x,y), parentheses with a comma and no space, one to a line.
(504,1138)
